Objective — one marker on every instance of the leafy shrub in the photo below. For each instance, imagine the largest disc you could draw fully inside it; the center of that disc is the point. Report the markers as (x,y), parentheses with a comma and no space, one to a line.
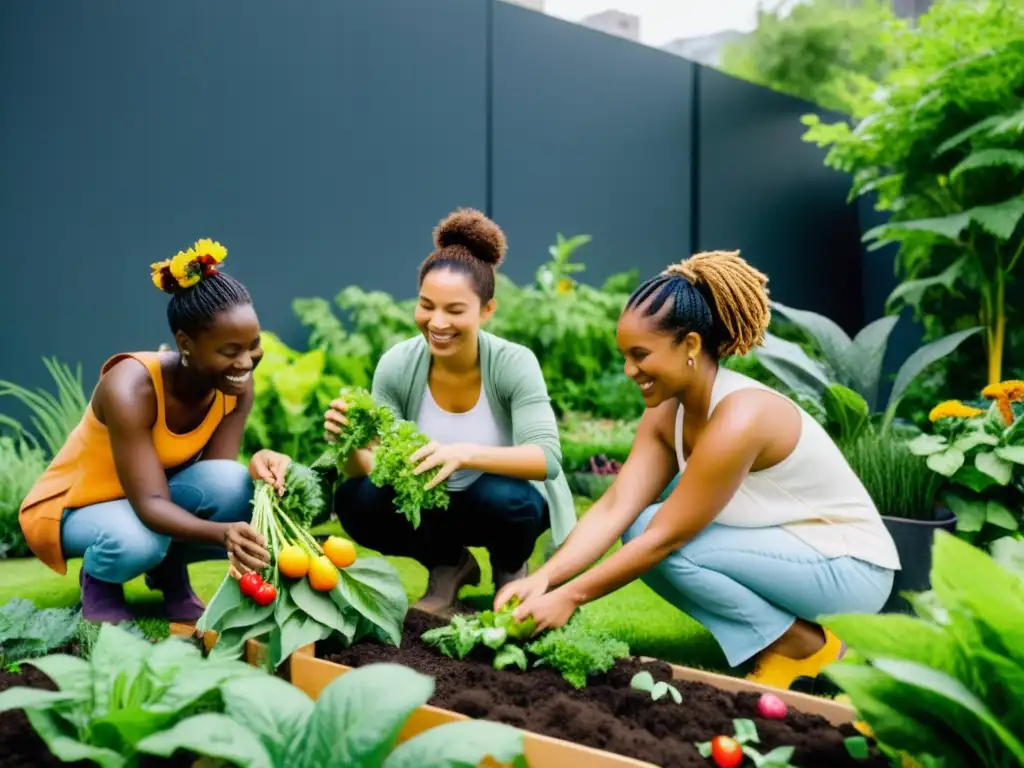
(959,662)
(900,483)
(27,632)
(21,464)
(53,417)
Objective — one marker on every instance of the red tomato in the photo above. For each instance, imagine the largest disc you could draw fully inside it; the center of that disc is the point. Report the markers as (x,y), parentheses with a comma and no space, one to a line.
(265,594)
(250,583)
(726,752)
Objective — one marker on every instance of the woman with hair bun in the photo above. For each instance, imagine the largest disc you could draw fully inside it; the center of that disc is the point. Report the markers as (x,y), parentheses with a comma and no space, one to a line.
(483,403)
(768,527)
(149,480)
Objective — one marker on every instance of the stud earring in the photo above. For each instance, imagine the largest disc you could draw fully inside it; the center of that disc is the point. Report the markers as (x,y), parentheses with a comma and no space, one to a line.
(184,357)
(689,362)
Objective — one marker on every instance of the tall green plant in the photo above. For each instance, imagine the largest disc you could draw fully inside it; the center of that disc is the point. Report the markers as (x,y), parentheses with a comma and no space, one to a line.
(941,147)
(21,464)
(53,417)
(855,363)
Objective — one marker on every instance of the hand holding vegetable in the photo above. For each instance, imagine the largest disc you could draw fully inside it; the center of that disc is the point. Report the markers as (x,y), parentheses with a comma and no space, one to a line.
(335,420)
(270,467)
(448,457)
(534,585)
(246,548)
(549,611)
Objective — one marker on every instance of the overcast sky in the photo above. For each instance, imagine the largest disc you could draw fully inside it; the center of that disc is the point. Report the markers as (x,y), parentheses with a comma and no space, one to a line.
(664,20)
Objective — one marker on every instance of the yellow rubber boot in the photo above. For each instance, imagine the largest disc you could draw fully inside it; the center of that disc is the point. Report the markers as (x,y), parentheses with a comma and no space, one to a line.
(779,671)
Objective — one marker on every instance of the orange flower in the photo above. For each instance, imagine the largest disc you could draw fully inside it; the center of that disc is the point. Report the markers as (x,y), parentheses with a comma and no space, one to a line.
(1000,393)
(1014,389)
(953,409)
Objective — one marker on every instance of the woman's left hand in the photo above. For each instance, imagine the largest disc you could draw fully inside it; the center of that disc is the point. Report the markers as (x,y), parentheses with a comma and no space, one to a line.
(448,457)
(270,467)
(550,610)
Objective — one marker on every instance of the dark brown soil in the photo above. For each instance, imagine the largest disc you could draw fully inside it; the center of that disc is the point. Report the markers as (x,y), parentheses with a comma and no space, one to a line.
(20,747)
(607,714)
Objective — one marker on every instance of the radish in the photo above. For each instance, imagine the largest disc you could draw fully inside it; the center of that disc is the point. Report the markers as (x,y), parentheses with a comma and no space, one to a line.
(771,707)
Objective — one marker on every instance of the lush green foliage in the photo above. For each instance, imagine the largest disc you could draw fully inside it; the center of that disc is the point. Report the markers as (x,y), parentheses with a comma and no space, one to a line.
(53,417)
(960,661)
(831,52)
(981,458)
(27,632)
(899,482)
(855,363)
(497,631)
(21,464)
(577,651)
(940,149)
(745,734)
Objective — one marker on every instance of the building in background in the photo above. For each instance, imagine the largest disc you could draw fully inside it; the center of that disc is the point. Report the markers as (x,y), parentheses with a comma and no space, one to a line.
(614,22)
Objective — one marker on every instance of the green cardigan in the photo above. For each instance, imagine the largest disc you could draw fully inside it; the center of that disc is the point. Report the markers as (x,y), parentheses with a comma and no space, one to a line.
(515,388)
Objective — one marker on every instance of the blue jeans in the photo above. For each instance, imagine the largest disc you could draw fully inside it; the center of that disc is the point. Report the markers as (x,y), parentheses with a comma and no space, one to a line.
(505,515)
(116,546)
(748,585)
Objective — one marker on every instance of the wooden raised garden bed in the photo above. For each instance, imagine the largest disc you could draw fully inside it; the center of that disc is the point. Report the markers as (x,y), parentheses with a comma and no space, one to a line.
(606,724)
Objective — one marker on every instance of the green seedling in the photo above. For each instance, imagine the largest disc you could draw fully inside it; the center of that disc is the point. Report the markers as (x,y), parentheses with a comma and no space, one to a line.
(857,747)
(644,681)
(722,748)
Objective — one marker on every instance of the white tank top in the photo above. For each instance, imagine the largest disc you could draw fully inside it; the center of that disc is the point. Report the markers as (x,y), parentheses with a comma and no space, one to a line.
(813,493)
(477,425)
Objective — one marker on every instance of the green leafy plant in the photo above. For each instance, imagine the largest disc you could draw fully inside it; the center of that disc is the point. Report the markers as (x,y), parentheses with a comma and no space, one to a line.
(106,708)
(27,632)
(854,363)
(744,735)
(363,598)
(577,652)
(959,661)
(21,464)
(497,631)
(53,417)
(644,681)
(981,457)
(899,482)
(355,722)
(940,149)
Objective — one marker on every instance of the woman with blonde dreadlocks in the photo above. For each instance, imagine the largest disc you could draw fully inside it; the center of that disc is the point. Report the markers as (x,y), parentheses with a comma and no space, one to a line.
(767,529)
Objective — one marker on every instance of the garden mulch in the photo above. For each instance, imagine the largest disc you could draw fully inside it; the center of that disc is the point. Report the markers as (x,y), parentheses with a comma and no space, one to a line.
(607,714)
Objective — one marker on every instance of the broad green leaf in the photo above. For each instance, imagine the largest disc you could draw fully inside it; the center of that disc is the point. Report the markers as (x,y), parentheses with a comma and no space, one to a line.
(946,688)
(970,513)
(67,748)
(510,656)
(915,365)
(969,477)
(372,587)
(298,631)
(846,413)
(780,756)
(947,462)
(998,469)
(117,655)
(972,439)
(896,636)
(910,292)
(1008,552)
(20,697)
(356,720)
(493,637)
(296,383)
(248,614)
(832,339)
(965,577)
(1012,453)
(866,354)
(274,710)
(194,682)
(792,366)
(127,726)
(461,745)
(999,220)
(228,596)
(745,731)
(948,227)
(857,747)
(71,674)
(642,681)
(989,158)
(231,643)
(926,445)
(999,515)
(210,735)
(321,607)
(171,656)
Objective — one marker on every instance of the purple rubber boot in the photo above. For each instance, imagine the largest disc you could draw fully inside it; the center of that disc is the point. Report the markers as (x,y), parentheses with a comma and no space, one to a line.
(181,604)
(103,600)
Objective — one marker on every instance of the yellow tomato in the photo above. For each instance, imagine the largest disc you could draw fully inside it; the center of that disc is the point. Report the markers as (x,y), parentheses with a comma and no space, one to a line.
(323,576)
(293,562)
(339,551)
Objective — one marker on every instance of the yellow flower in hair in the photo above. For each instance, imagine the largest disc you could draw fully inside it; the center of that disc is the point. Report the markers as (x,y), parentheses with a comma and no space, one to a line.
(211,248)
(953,409)
(185,268)
(157,272)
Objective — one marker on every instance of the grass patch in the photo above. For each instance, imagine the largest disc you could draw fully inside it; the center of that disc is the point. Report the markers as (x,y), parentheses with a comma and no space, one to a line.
(634,614)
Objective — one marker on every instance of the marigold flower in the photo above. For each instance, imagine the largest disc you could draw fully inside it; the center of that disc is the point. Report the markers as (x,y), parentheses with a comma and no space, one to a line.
(1000,393)
(1013,389)
(953,409)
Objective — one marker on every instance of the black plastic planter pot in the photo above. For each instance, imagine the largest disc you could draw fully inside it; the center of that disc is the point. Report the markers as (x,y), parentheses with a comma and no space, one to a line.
(914,539)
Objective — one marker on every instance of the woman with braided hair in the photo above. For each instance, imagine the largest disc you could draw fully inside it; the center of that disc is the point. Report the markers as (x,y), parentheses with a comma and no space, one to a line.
(767,529)
(149,480)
